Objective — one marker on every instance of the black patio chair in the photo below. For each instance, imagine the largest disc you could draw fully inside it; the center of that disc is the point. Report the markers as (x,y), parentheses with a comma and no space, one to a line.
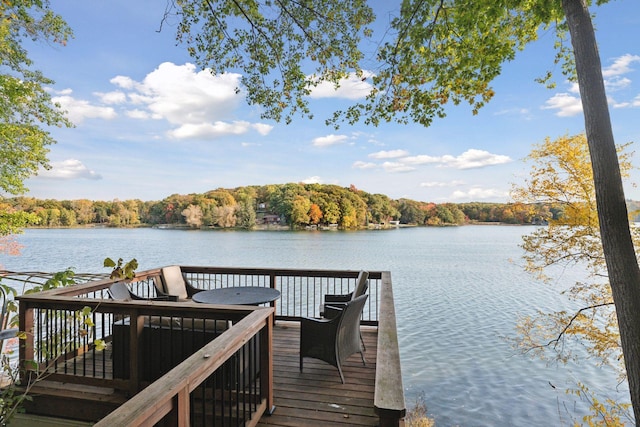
(120,291)
(174,283)
(334,303)
(331,301)
(333,340)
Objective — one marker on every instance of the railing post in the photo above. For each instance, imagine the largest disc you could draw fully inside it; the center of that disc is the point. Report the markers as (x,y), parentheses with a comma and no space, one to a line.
(183,408)
(266,363)
(26,346)
(136,328)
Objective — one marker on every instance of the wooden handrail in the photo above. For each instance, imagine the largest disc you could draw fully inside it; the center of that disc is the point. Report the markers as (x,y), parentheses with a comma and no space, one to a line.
(172,390)
(278,271)
(389,401)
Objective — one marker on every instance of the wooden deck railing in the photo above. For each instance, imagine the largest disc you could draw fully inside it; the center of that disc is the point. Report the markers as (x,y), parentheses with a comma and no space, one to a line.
(389,395)
(61,341)
(181,394)
(302,290)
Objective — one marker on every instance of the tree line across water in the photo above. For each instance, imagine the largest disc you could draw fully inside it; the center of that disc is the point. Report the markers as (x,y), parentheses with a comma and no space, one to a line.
(294,205)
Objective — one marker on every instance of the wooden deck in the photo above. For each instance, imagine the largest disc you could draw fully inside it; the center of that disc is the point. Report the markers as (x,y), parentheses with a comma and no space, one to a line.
(316,396)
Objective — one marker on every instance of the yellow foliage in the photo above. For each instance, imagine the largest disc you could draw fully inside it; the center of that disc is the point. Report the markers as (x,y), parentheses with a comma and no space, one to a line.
(417,415)
(609,413)
(561,178)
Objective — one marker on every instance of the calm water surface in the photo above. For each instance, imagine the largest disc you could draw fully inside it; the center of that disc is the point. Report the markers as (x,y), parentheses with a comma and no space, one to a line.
(458,293)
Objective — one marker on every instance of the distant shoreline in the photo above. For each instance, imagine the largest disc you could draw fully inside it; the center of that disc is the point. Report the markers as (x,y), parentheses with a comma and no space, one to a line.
(270,227)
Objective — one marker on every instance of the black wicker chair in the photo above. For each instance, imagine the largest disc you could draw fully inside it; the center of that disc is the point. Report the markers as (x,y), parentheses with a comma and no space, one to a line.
(333,340)
(334,303)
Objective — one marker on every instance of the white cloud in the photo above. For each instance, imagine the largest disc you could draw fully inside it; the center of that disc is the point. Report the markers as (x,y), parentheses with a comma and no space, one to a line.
(574,87)
(421,159)
(69,169)
(78,110)
(565,104)
(473,158)
(209,130)
(440,184)
(478,193)
(470,159)
(395,167)
(312,180)
(621,65)
(325,141)
(124,82)
(180,94)
(392,154)
(262,128)
(197,103)
(568,105)
(352,87)
(363,165)
(617,83)
(138,114)
(115,97)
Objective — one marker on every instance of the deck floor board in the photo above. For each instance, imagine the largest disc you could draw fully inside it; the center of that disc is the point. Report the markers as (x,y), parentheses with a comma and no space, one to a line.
(316,396)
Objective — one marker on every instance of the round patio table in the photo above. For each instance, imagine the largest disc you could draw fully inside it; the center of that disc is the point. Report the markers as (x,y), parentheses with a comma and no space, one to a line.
(237,295)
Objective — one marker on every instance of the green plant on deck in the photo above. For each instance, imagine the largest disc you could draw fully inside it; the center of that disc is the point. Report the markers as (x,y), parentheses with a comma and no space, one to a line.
(57,280)
(121,271)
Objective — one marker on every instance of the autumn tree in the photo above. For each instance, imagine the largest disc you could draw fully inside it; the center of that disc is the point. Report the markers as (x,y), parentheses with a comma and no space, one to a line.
(26,108)
(193,216)
(224,216)
(381,208)
(281,200)
(315,214)
(348,214)
(300,207)
(84,211)
(222,197)
(410,212)
(246,214)
(561,173)
(331,213)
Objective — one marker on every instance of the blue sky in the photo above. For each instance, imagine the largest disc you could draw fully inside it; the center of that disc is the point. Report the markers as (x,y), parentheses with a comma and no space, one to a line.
(150,124)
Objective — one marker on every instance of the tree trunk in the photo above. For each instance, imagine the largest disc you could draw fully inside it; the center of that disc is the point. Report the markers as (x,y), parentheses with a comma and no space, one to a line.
(622,264)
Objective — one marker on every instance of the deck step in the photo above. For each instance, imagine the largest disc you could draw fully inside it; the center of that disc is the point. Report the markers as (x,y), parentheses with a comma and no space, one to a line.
(73,401)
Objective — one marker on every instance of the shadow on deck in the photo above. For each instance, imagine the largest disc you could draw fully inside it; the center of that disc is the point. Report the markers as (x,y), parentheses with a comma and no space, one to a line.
(316,397)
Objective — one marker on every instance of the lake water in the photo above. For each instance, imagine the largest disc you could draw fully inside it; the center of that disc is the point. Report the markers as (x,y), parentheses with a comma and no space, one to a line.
(458,293)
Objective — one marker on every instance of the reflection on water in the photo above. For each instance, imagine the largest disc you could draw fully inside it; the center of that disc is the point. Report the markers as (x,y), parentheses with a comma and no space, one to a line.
(458,290)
